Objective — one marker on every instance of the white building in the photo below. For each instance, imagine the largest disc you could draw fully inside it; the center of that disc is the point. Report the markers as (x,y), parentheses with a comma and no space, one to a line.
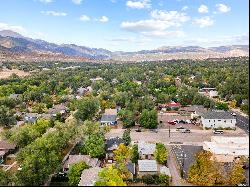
(217,119)
(213,93)
(226,149)
(146,150)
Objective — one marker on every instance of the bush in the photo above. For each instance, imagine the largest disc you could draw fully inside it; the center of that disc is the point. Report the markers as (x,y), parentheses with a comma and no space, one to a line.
(164,180)
(148,179)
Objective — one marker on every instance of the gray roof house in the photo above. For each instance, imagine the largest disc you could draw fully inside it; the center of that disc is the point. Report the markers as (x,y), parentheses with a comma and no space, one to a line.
(73,159)
(109,119)
(147,167)
(31,117)
(111,145)
(57,109)
(89,176)
(218,119)
(146,150)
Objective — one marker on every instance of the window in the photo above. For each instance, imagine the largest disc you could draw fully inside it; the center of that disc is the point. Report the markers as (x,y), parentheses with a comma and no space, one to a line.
(208,120)
(214,120)
(231,121)
(225,121)
(219,120)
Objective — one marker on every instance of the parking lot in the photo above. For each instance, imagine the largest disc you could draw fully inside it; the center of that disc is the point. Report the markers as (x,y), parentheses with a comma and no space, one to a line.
(165,117)
(185,156)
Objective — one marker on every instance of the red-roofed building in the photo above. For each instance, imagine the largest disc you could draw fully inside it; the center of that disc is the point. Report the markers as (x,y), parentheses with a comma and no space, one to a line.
(173,105)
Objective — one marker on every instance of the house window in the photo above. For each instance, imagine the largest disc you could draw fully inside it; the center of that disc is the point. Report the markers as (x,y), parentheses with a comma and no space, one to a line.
(214,120)
(224,121)
(231,121)
(209,120)
(219,120)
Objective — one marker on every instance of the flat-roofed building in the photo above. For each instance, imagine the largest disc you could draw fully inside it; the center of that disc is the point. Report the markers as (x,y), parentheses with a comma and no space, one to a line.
(227,149)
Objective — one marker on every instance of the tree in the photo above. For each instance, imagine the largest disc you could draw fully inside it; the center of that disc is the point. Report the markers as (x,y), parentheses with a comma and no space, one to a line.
(204,171)
(95,145)
(134,153)
(90,127)
(127,117)
(86,108)
(75,172)
(126,137)
(148,119)
(233,103)
(221,106)
(245,108)
(6,117)
(236,174)
(110,177)
(161,153)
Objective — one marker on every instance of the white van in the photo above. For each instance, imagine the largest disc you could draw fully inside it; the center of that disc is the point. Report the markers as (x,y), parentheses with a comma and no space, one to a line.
(218,131)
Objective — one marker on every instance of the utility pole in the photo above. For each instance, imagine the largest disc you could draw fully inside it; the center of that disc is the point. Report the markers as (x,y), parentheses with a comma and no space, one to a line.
(169,131)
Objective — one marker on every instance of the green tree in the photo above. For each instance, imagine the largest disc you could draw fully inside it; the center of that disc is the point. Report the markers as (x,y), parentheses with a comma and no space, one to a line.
(126,137)
(95,145)
(75,172)
(148,119)
(221,106)
(86,108)
(6,117)
(127,117)
(245,108)
(134,154)
(161,153)
(110,177)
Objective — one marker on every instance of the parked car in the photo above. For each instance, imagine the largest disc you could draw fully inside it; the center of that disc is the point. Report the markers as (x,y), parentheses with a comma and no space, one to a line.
(185,131)
(172,123)
(154,130)
(179,128)
(138,130)
(188,121)
(182,121)
(218,131)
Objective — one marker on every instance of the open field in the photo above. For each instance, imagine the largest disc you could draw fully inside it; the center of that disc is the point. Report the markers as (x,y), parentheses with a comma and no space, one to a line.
(6,73)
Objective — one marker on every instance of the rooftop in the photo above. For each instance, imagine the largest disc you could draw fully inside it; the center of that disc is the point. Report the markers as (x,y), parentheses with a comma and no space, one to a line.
(108,118)
(89,176)
(217,115)
(110,112)
(147,165)
(4,144)
(113,143)
(146,148)
(73,159)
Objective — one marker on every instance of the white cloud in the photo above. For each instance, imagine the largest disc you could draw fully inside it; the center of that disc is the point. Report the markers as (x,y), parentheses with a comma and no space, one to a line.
(113,1)
(203,9)
(160,20)
(203,22)
(84,18)
(46,1)
(54,13)
(164,34)
(104,19)
(138,4)
(223,8)
(16,28)
(184,8)
(77,2)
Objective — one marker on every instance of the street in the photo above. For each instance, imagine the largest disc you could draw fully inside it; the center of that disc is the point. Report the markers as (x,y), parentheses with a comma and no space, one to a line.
(241,121)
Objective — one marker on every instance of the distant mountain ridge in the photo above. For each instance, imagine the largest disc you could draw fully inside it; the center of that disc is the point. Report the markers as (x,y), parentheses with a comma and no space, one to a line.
(14,43)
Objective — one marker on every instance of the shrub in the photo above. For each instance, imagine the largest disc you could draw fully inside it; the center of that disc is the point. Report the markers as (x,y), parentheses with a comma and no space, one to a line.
(148,179)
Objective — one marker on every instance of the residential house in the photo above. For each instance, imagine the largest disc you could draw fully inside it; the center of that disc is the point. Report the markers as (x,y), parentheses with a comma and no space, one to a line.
(227,149)
(209,92)
(6,148)
(146,150)
(31,117)
(218,119)
(15,96)
(131,169)
(111,145)
(96,79)
(46,116)
(147,167)
(73,159)
(89,176)
(58,109)
(192,110)
(109,120)
(173,105)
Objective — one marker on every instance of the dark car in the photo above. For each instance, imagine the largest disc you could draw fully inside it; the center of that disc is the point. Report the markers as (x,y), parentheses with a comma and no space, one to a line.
(179,128)
(185,131)
(172,123)
(138,130)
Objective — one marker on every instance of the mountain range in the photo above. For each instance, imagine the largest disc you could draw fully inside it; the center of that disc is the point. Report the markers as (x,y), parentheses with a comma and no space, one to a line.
(14,45)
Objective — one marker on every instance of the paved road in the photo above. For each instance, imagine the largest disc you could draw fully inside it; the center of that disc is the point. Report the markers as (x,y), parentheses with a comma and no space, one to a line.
(242,121)
(196,137)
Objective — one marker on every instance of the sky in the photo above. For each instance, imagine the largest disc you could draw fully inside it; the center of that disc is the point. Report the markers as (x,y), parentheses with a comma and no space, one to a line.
(129,25)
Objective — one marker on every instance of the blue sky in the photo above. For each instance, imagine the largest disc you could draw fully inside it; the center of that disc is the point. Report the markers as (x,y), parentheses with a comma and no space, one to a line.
(129,25)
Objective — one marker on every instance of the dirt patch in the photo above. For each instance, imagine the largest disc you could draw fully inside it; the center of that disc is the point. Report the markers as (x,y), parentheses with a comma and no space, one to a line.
(6,73)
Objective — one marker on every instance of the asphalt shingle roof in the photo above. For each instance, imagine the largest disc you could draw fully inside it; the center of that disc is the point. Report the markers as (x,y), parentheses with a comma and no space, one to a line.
(147,165)
(217,115)
(108,118)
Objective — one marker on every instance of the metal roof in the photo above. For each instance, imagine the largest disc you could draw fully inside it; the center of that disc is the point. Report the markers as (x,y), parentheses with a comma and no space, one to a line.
(108,118)
(147,165)
(146,148)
